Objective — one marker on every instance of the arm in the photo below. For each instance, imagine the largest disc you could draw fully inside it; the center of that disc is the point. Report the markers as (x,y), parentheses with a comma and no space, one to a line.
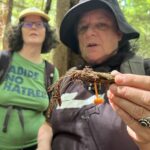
(45,137)
(130,98)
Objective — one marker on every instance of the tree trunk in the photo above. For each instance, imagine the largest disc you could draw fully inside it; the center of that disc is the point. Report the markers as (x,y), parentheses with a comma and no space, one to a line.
(48,6)
(1,26)
(63,57)
(7,13)
(60,54)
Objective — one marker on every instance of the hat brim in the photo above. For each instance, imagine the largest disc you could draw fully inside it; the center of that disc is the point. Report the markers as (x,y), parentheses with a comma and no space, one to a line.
(45,16)
(69,23)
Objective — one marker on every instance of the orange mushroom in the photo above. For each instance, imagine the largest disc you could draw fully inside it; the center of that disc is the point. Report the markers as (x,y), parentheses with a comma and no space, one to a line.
(97,100)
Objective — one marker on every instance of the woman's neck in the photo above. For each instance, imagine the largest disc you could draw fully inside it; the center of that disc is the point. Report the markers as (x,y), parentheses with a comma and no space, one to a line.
(31,53)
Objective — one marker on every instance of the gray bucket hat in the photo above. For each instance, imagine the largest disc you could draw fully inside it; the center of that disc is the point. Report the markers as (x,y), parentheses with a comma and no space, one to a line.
(70,21)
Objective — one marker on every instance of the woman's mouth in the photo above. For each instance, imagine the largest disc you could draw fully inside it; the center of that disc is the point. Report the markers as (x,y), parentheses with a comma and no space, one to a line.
(92,45)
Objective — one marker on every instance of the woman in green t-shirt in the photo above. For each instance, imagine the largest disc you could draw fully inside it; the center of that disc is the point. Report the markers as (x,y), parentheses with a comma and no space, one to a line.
(23,94)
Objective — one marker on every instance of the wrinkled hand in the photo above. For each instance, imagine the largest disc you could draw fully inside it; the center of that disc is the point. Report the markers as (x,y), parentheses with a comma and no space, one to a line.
(45,137)
(130,98)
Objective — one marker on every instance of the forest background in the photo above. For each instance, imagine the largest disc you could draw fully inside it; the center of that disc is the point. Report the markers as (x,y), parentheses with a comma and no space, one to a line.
(137,13)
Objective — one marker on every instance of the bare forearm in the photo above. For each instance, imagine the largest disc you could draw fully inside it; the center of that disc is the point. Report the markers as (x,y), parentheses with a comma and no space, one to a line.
(45,137)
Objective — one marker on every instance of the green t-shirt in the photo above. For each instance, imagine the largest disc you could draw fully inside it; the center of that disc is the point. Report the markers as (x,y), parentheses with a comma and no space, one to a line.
(23,86)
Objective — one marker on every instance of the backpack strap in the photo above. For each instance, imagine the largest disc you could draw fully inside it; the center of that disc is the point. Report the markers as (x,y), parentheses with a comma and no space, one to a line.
(134,65)
(49,74)
(147,66)
(5,59)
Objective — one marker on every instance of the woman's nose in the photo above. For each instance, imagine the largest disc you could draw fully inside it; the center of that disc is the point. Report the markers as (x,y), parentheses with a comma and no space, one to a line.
(90,31)
(34,25)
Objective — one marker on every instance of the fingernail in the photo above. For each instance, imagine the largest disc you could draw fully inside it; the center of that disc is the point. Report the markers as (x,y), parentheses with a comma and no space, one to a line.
(110,94)
(113,88)
(119,78)
(115,72)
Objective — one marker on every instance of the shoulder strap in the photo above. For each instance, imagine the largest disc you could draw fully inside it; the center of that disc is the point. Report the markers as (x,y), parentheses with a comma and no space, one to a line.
(147,65)
(5,59)
(49,74)
(133,65)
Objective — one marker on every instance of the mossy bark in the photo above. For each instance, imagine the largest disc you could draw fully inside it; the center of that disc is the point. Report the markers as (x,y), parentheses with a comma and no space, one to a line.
(63,57)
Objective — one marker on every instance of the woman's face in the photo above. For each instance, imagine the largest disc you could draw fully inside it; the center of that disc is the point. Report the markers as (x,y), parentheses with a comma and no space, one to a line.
(33,30)
(98,36)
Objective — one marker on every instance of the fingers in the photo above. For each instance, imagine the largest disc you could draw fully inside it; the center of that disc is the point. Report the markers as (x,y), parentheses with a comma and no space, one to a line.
(135,111)
(137,81)
(134,95)
(130,98)
(139,133)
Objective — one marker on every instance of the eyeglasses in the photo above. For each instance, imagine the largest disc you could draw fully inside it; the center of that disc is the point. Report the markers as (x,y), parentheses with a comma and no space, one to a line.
(38,24)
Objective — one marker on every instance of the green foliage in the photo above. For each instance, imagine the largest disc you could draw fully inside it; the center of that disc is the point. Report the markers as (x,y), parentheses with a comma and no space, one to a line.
(137,13)
(20,5)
